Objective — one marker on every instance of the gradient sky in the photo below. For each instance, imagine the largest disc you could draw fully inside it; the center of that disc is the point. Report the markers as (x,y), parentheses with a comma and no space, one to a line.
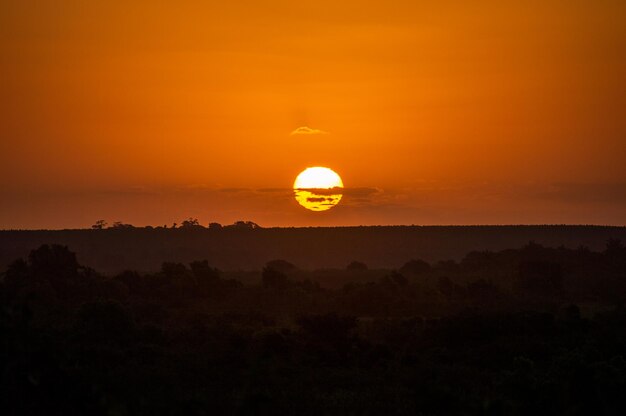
(433,112)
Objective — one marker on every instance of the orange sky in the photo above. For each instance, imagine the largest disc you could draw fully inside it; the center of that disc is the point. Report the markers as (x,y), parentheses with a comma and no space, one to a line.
(442,112)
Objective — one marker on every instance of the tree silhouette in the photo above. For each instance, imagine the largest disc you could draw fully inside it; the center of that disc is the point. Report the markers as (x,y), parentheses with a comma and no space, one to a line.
(356,266)
(614,247)
(191,223)
(118,225)
(54,261)
(99,225)
(398,279)
(280,265)
(204,273)
(541,277)
(445,285)
(105,322)
(274,279)
(415,267)
(245,225)
(173,270)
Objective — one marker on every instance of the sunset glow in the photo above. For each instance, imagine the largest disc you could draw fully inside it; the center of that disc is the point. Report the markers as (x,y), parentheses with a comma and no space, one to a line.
(176,236)
(483,112)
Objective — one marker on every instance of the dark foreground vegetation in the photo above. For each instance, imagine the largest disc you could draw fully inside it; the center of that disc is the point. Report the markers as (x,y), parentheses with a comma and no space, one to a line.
(528,331)
(246,246)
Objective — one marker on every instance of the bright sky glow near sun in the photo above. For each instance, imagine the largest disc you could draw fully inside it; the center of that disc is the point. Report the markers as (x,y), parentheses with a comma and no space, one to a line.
(434,112)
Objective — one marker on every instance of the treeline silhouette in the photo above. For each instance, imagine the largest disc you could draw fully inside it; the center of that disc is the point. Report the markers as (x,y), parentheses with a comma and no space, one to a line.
(535,330)
(246,246)
(189,223)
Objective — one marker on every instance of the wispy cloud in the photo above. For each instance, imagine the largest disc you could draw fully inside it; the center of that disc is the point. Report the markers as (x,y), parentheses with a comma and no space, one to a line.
(353,192)
(235,190)
(304,130)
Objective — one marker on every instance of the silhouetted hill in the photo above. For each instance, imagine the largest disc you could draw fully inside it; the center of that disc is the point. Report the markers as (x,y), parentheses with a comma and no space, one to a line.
(114,250)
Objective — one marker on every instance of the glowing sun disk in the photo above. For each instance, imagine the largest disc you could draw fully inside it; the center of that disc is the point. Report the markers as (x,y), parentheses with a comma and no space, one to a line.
(309,184)
(317,178)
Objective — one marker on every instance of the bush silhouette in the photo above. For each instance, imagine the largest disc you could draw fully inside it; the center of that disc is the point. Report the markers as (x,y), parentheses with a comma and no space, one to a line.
(54,261)
(274,279)
(415,267)
(104,322)
(356,266)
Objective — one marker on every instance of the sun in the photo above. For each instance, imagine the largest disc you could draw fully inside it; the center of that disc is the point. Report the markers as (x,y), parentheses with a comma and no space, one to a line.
(318,188)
